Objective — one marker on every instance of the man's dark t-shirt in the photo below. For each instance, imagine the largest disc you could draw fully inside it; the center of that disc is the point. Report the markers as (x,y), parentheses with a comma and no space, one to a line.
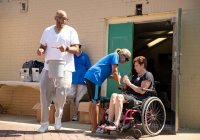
(137,80)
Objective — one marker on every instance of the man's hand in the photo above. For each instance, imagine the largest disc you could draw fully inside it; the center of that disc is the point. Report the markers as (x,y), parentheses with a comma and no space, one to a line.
(62,48)
(40,51)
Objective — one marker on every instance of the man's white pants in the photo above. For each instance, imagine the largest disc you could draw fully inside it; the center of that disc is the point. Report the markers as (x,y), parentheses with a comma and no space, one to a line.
(80,89)
(59,97)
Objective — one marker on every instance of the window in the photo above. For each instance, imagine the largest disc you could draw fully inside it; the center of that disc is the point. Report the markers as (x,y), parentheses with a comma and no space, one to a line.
(24,6)
(139,9)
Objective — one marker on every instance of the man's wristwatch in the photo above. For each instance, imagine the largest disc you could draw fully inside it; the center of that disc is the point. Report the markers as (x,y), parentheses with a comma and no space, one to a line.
(67,49)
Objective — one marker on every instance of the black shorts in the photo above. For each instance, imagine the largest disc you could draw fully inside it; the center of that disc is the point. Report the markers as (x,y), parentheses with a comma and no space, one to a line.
(130,101)
(94,91)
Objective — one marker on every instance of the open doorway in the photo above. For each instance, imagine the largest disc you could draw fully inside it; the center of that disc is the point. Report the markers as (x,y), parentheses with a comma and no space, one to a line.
(154,41)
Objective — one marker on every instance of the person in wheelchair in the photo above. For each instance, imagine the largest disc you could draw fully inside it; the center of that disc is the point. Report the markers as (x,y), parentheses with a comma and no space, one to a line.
(142,79)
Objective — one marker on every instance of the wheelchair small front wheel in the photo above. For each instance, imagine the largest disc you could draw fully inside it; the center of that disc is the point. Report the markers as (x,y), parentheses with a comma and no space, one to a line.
(137,133)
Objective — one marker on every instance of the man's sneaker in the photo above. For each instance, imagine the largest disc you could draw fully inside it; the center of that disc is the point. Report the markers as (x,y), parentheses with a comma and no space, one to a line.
(44,127)
(57,124)
(75,117)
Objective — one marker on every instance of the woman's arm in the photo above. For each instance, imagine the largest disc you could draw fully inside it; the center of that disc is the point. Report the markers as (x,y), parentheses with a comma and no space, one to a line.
(116,77)
(144,84)
(115,74)
(111,77)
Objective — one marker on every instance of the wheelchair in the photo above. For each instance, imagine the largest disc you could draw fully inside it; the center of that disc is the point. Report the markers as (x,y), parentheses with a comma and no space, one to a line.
(150,113)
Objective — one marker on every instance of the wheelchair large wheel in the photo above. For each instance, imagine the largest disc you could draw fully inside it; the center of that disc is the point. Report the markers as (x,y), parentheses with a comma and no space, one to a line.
(153,116)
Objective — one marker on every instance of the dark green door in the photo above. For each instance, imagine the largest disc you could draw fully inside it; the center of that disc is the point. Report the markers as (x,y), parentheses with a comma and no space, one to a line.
(120,36)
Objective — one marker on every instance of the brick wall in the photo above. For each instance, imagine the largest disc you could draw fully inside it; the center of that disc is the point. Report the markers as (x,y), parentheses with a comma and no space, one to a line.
(190,74)
(19,100)
(20,34)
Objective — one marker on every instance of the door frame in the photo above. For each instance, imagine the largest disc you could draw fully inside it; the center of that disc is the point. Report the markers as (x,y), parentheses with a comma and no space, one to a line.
(149,18)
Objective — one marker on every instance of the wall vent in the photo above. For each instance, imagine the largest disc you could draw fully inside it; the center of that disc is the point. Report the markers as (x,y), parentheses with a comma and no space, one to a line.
(139,9)
(24,6)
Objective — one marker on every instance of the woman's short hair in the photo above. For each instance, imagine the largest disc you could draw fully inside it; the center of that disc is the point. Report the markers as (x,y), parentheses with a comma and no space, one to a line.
(141,60)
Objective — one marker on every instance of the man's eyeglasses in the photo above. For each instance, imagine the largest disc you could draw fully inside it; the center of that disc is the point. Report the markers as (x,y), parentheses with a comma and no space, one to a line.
(62,18)
(126,58)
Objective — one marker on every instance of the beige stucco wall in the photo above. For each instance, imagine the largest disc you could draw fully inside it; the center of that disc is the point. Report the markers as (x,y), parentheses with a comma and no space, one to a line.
(20,34)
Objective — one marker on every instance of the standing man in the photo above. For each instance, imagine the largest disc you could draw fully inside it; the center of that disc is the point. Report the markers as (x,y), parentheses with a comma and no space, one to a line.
(65,38)
(82,64)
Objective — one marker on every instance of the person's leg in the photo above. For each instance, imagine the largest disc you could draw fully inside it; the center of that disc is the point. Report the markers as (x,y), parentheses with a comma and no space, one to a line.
(46,90)
(90,114)
(118,110)
(95,107)
(112,107)
(71,93)
(95,115)
(91,90)
(94,92)
(59,98)
(81,90)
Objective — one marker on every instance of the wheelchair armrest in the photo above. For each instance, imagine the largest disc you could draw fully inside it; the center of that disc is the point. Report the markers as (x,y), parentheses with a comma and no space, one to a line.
(150,90)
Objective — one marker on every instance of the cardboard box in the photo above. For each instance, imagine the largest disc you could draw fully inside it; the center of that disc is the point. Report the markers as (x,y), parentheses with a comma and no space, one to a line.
(84,113)
(65,116)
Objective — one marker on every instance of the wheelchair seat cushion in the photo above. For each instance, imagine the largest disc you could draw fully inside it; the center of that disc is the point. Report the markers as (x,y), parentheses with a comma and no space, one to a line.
(131,102)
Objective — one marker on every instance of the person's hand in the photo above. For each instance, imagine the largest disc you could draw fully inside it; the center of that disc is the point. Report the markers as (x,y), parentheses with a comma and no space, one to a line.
(126,80)
(122,89)
(125,77)
(62,48)
(40,51)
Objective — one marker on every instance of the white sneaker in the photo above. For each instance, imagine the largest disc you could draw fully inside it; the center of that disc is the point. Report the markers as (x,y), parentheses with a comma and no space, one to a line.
(99,130)
(57,124)
(75,117)
(44,127)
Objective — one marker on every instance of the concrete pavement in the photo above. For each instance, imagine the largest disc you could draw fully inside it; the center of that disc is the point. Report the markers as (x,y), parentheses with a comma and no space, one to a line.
(20,127)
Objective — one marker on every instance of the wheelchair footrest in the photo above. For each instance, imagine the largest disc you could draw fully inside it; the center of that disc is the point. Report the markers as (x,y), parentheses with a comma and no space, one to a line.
(129,118)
